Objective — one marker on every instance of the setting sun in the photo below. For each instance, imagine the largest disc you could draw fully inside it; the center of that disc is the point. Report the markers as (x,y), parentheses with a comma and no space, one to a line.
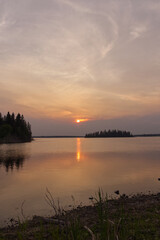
(81,120)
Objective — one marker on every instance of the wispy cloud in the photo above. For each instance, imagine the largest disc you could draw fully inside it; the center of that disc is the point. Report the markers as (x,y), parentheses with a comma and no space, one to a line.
(138,31)
(66,58)
(77,7)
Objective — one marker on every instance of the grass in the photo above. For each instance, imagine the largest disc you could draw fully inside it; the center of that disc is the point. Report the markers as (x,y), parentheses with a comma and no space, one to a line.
(126,218)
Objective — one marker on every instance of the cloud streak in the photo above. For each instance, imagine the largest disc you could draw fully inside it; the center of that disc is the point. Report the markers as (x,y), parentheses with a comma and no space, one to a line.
(76,59)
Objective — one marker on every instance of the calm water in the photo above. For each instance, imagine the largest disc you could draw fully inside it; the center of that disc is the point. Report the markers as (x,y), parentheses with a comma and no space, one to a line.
(75,167)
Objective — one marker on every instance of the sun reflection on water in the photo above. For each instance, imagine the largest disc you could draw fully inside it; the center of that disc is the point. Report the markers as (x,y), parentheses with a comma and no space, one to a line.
(78,149)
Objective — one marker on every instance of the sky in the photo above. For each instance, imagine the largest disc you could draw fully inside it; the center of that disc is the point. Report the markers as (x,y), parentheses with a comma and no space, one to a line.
(63,60)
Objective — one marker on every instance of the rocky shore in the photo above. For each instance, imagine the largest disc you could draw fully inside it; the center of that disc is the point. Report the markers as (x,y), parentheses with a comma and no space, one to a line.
(134,218)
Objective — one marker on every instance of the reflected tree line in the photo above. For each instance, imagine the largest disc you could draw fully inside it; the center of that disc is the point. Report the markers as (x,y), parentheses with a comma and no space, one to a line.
(12,161)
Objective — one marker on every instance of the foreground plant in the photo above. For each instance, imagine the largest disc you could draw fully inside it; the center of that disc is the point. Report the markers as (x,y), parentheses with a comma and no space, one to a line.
(126,218)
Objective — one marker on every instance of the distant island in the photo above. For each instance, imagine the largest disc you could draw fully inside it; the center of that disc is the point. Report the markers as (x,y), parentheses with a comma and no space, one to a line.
(14,129)
(109,134)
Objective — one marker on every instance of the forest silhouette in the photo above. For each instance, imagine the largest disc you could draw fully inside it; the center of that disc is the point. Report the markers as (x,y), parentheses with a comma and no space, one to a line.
(14,129)
(109,134)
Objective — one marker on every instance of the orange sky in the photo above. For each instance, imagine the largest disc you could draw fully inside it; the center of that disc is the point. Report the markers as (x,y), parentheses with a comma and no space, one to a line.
(64,60)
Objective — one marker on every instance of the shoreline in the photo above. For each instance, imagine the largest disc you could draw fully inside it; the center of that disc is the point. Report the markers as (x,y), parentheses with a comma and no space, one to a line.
(134,136)
(14,141)
(140,213)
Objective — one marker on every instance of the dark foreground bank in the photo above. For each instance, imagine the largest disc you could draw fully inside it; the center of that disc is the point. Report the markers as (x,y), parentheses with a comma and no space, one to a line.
(126,218)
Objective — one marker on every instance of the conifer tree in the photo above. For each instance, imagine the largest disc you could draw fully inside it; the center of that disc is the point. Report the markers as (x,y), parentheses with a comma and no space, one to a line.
(14,129)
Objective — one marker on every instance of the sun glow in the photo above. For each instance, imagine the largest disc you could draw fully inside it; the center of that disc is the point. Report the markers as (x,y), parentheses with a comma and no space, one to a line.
(81,120)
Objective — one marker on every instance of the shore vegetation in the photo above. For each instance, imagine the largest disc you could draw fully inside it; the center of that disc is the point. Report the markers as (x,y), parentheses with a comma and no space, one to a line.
(109,134)
(14,129)
(134,217)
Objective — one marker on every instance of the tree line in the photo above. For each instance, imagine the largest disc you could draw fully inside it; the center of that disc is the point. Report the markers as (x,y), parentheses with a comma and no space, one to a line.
(109,134)
(14,128)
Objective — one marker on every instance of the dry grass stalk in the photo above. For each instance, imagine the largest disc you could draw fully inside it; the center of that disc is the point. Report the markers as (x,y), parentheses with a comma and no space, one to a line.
(90,231)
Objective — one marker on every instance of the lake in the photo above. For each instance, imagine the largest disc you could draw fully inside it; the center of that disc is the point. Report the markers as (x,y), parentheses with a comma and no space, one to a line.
(73,169)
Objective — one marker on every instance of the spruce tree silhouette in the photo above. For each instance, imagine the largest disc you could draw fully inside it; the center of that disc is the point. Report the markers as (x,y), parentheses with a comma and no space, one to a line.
(14,129)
